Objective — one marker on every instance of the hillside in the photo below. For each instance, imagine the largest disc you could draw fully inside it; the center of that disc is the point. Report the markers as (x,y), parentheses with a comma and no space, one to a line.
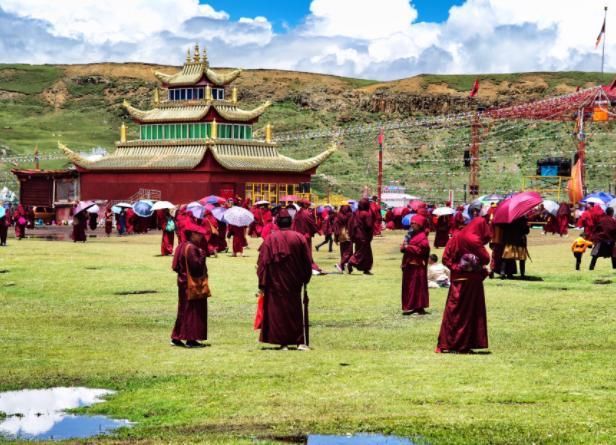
(81,105)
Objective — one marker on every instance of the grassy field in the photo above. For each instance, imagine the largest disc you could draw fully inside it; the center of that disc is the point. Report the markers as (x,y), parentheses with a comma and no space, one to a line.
(548,380)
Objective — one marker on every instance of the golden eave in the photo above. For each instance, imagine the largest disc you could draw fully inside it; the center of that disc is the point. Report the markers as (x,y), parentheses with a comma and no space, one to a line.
(194,113)
(192,72)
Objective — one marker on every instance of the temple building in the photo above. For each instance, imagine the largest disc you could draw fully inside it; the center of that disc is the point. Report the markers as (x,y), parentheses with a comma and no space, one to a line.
(195,141)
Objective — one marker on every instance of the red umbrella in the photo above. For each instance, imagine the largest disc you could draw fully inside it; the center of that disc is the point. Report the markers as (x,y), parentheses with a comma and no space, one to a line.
(289,198)
(397,211)
(516,207)
(416,204)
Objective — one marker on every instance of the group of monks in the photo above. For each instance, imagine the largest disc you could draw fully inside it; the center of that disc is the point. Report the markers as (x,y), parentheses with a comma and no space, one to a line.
(21,217)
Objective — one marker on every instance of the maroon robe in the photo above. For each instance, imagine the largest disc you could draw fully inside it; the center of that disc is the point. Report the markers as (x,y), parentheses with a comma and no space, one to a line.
(562,217)
(80,223)
(21,220)
(4,229)
(375,208)
(166,244)
(130,221)
(415,273)
(305,224)
(191,321)
(268,229)
(108,222)
(464,326)
(441,235)
(284,266)
(551,225)
(93,220)
(239,238)
(361,230)
(341,234)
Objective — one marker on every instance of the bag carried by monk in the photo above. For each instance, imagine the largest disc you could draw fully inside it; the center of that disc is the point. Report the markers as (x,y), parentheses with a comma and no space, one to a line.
(170,226)
(343,237)
(196,288)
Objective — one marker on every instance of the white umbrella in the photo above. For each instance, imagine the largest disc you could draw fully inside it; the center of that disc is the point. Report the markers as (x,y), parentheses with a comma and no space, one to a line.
(262,202)
(83,205)
(219,213)
(612,204)
(239,216)
(441,211)
(597,201)
(196,208)
(551,206)
(123,205)
(161,205)
(93,209)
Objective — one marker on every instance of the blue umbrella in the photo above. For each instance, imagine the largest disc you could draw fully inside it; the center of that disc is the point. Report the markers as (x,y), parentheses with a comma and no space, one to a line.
(143,208)
(2,212)
(196,208)
(603,196)
(406,220)
(354,205)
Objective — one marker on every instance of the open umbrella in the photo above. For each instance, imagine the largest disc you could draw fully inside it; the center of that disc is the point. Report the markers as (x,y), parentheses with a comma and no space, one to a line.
(2,212)
(354,205)
(603,196)
(161,205)
(83,205)
(489,199)
(597,201)
(612,204)
(262,202)
(239,216)
(116,209)
(287,198)
(143,208)
(441,211)
(123,205)
(516,207)
(397,211)
(415,204)
(406,221)
(93,209)
(219,212)
(212,199)
(196,208)
(551,206)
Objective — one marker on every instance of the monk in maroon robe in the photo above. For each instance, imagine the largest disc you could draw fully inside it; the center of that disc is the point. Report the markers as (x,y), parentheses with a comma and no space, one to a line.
(20,217)
(551,224)
(441,231)
(130,221)
(80,223)
(305,223)
(562,216)
(239,238)
(604,239)
(108,221)
(191,322)
(166,244)
(283,268)
(464,325)
(181,219)
(375,208)
(92,220)
(342,236)
(361,231)
(4,228)
(457,223)
(416,250)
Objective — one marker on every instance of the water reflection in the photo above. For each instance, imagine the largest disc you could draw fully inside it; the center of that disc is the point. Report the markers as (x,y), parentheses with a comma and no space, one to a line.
(357,439)
(38,414)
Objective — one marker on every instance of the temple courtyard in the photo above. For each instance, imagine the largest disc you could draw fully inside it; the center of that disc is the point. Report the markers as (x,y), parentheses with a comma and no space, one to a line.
(100,314)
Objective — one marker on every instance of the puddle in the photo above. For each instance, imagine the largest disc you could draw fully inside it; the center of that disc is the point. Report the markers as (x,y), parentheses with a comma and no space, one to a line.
(357,439)
(135,292)
(38,414)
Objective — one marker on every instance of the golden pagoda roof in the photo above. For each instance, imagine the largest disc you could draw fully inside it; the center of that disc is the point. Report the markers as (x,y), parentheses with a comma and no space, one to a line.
(192,72)
(187,154)
(193,113)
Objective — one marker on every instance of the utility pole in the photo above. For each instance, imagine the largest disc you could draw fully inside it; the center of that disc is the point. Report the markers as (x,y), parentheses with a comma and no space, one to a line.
(473,180)
(603,50)
(379,185)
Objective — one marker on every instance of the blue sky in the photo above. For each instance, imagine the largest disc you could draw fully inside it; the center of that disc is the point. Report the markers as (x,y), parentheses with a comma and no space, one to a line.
(371,39)
(290,13)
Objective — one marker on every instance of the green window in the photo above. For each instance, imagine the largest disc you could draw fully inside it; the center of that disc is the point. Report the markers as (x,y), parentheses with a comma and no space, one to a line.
(142,132)
(184,131)
(191,129)
(248,132)
(148,131)
(172,131)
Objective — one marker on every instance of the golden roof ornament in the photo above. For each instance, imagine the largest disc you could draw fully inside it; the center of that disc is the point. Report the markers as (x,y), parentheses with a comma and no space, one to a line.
(196,55)
(204,60)
(188,55)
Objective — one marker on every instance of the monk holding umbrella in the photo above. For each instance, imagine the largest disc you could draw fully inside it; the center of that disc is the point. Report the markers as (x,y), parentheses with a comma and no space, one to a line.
(283,268)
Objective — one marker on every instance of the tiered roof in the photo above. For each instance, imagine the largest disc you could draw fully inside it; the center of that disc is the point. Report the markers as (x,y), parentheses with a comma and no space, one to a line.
(172,112)
(187,154)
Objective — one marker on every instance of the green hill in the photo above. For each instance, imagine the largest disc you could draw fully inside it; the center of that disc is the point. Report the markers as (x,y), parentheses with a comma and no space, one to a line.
(81,106)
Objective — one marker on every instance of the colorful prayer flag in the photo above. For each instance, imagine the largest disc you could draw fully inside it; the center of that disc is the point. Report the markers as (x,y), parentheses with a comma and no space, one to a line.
(601,33)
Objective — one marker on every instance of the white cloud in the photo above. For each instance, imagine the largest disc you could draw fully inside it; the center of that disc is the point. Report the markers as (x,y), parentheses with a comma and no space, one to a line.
(359,38)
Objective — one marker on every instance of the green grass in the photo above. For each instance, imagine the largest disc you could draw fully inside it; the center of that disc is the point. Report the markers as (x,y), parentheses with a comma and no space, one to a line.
(548,380)
(28,79)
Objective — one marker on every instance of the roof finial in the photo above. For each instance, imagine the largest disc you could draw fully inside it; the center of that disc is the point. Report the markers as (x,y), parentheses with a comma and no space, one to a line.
(196,56)
(188,55)
(204,57)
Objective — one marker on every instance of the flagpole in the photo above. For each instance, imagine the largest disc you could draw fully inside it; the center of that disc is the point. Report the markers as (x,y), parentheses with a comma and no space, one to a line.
(604,30)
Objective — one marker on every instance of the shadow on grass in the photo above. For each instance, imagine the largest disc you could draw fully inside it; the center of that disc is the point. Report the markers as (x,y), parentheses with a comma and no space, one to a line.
(136,292)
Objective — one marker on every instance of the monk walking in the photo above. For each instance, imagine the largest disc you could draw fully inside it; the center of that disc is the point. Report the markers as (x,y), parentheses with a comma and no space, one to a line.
(166,244)
(284,266)
(108,221)
(80,223)
(604,239)
(239,239)
(464,326)
(4,228)
(441,231)
(305,224)
(361,231)
(342,237)
(20,218)
(416,249)
(189,259)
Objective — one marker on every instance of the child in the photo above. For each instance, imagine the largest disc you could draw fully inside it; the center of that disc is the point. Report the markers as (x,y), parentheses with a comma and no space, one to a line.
(578,248)
(438,275)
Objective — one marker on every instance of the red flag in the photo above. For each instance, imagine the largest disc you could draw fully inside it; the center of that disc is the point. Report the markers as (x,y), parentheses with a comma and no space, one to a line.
(381,137)
(475,89)
(601,33)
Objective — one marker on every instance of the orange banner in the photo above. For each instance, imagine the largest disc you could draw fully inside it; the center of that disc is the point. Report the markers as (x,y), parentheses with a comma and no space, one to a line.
(574,186)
